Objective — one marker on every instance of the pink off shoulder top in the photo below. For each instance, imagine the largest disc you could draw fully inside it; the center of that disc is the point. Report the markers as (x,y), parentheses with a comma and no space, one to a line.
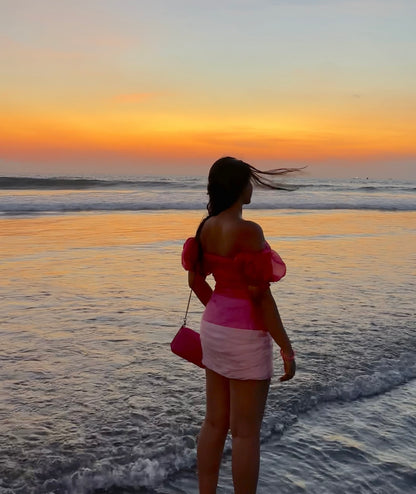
(234,274)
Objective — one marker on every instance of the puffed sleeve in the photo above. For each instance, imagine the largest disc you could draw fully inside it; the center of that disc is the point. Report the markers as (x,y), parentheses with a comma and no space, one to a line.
(261,267)
(190,254)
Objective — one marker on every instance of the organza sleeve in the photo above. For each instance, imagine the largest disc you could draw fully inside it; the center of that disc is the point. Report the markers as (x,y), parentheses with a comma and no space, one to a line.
(190,254)
(261,267)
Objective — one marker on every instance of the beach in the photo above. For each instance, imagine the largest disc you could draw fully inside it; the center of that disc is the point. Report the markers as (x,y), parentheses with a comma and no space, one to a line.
(94,401)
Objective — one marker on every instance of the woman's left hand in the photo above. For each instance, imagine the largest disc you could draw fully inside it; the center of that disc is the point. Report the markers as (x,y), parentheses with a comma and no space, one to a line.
(290,370)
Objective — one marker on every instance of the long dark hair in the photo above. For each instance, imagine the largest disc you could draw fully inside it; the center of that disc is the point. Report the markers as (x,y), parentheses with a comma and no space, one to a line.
(227,179)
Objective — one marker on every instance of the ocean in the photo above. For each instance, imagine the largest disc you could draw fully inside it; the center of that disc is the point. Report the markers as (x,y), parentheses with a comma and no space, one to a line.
(92,292)
(30,195)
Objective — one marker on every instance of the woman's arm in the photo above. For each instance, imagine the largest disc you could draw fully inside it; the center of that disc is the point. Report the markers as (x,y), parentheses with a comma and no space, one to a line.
(200,287)
(263,298)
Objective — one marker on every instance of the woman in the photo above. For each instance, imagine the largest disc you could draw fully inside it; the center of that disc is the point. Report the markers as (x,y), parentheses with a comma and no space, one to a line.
(239,324)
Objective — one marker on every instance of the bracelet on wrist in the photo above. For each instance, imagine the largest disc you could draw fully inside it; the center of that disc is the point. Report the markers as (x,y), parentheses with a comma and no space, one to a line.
(286,357)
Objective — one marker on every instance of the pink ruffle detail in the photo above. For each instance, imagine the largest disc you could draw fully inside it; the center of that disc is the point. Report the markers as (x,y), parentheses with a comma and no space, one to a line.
(190,254)
(261,267)
(257,268)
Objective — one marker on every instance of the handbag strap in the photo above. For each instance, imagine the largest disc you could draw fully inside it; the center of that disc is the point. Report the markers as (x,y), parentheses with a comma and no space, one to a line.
(187,308)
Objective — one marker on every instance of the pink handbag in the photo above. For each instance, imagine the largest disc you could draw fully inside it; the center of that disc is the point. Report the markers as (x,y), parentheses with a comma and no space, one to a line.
(187,342)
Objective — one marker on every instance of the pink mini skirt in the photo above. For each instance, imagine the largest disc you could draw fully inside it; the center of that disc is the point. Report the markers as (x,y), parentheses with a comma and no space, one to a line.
(234,343)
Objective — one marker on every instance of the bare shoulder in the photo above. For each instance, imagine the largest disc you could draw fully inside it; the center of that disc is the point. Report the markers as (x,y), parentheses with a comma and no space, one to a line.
(208,225)
(252,237)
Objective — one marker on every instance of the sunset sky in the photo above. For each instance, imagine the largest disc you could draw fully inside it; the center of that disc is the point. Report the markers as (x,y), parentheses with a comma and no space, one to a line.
(131,86)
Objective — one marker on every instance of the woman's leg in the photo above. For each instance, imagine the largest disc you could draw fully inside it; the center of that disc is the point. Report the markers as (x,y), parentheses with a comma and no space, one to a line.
(247,403)
(213,432)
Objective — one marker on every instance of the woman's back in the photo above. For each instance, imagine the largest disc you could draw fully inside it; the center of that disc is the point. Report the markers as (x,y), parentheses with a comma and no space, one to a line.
(226,235)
